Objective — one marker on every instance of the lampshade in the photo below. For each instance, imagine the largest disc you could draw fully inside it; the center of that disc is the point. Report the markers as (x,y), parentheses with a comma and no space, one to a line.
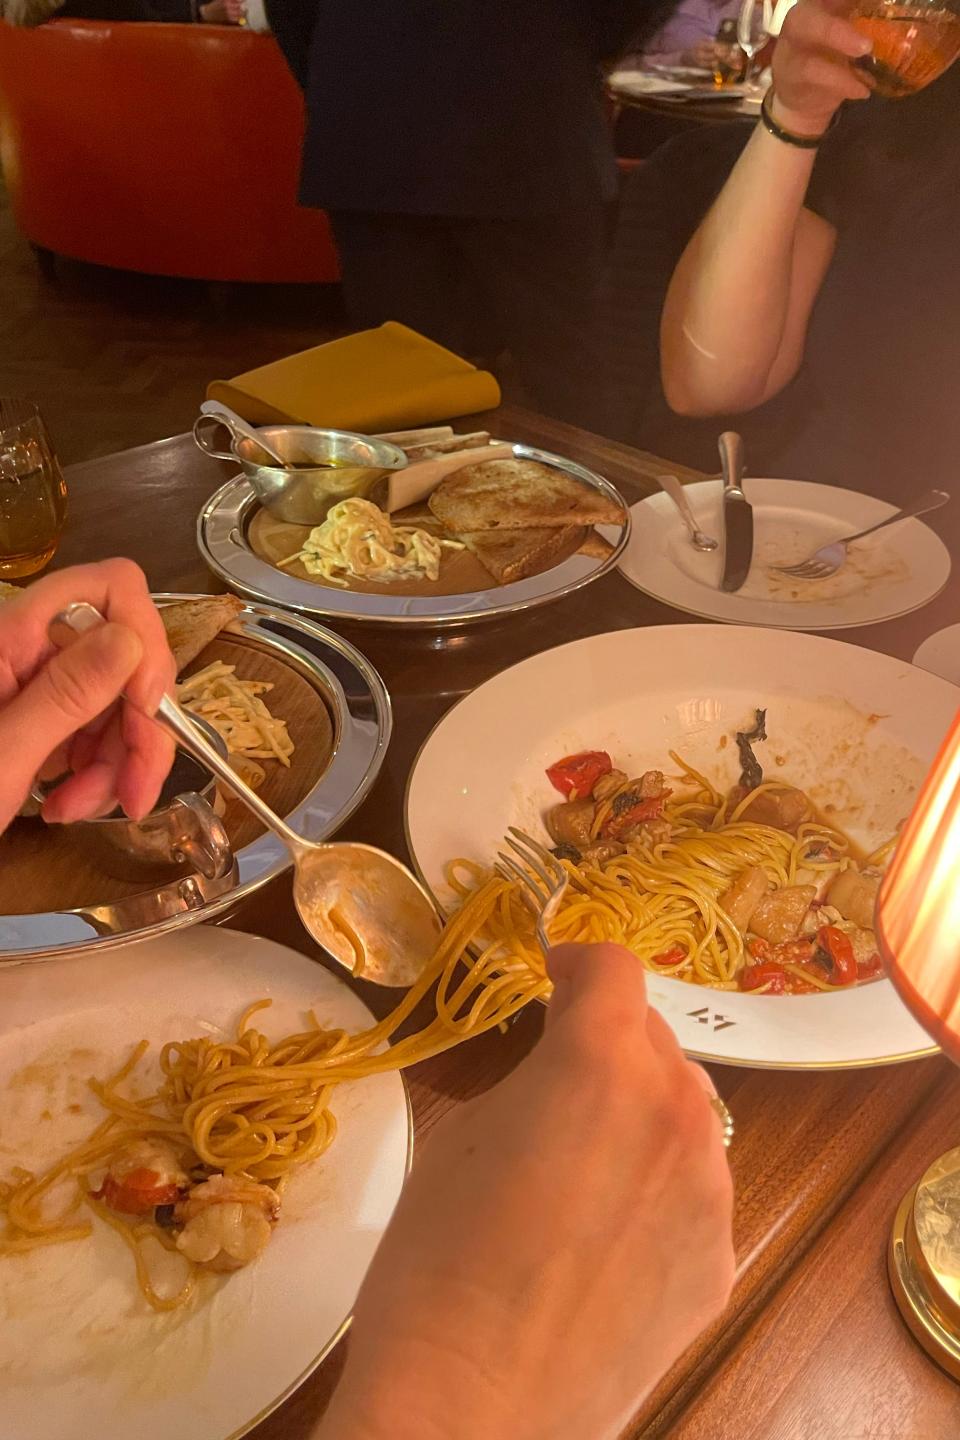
(918,909)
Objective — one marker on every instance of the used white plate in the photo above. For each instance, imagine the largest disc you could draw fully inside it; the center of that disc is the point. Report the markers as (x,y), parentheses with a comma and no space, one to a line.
(81,1352)
(855,729)
(940,654)
(898,571)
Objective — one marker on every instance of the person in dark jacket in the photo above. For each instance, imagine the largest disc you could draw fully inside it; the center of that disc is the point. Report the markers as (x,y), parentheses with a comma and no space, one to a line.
(462,151)
(38,12)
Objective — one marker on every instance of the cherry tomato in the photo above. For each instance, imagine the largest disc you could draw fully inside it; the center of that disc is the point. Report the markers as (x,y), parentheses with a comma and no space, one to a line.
(579,772)
(869,969)
(767,973)
(137,1193)
(673,956)
(617,825)
(840,949)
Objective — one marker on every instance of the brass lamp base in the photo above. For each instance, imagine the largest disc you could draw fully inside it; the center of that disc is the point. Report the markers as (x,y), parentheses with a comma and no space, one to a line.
(924,1261)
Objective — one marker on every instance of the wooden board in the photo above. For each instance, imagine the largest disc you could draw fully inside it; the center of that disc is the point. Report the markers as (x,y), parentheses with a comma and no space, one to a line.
(44,867)
(460,572)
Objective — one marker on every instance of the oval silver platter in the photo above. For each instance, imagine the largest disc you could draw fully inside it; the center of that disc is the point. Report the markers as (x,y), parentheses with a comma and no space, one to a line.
(362,722)
(222,540)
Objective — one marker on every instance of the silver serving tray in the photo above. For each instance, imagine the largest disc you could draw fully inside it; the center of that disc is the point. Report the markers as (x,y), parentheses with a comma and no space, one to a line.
(362,722)
(222,540)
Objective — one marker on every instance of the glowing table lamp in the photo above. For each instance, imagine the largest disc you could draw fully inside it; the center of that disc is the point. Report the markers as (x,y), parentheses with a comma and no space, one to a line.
(918,930)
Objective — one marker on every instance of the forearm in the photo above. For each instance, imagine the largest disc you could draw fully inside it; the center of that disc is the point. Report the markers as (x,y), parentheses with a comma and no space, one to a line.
(402,1390)
(737,306)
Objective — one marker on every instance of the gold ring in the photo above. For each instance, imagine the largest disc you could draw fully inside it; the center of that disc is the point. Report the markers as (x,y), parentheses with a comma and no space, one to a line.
(725,1118)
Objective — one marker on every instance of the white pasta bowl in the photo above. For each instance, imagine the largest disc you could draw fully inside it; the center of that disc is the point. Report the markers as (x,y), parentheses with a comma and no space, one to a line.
(857,730)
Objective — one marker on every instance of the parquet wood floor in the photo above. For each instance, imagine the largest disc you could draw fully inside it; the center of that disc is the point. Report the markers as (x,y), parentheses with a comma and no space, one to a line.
(116,359)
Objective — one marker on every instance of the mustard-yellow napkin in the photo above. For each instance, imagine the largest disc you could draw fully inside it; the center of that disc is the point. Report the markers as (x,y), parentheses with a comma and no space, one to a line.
(385,379)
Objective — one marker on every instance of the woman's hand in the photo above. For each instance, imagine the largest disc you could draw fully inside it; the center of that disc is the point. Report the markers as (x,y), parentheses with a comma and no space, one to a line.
(59,710)
(705,54)
(560,1241)
(812,73)
(215,12)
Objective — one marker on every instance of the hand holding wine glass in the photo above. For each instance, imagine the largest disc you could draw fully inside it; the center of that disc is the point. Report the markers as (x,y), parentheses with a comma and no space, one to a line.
(753,29)
(813,70)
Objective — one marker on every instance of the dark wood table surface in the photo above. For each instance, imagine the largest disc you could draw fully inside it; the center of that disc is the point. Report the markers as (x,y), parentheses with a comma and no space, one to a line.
(811,1346)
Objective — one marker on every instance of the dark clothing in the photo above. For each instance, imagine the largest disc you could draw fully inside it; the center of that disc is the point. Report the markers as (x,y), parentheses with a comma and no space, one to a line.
(872,407)
(464,154)
(180,11)
(480,286)
(455,107)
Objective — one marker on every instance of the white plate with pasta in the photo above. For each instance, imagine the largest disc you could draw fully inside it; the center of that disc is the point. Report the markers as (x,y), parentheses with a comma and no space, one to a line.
(82,1353)
(790,981)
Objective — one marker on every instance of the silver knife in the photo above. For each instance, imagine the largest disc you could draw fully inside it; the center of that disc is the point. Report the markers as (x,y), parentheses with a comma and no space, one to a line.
(737,514)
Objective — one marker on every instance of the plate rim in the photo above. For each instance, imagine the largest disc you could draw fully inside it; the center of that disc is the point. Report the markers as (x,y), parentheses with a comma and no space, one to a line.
(935,635)
(771,624)
(239,491)
(739,1063)
(345,1324)
(37,953)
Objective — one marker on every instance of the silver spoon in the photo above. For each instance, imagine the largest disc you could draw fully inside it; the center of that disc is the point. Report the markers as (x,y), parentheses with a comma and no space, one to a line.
(672,487)
(240,430)
(358,902)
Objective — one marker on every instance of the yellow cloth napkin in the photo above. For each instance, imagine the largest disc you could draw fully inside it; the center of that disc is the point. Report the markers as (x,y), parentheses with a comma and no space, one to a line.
(390,378)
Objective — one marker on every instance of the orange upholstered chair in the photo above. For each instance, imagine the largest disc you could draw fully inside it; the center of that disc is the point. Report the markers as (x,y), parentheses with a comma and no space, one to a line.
(168,149)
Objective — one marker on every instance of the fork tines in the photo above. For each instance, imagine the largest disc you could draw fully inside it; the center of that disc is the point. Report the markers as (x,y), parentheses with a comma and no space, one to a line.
(808,570)
(536,861)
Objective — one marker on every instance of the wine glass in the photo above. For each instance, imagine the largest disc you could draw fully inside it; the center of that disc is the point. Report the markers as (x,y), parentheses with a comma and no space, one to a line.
(33,496)
(914,41)
(753,30)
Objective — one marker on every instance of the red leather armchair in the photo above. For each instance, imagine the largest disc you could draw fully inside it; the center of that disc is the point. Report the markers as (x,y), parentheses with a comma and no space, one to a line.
(167,149)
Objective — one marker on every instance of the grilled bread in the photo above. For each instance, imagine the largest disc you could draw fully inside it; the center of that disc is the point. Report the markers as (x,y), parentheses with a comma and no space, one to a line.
(595,546)
(518,494)
(192,624)
(515,554)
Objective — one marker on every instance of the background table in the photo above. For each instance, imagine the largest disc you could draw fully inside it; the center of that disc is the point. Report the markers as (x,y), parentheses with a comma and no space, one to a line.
(811,1346)
(701,111)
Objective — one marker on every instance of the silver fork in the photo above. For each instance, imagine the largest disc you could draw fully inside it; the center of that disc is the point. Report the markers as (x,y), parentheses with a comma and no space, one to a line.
(828,559)
(541,874)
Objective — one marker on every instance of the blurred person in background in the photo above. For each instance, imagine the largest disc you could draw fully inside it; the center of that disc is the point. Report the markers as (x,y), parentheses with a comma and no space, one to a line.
(463,153)
(38,12)
(815,298)
(690,36)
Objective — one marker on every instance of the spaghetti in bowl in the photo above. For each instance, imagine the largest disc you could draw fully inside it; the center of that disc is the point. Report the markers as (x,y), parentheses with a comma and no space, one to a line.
(852,730)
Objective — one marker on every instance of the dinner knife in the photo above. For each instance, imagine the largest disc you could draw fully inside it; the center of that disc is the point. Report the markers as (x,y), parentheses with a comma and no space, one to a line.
(737,514)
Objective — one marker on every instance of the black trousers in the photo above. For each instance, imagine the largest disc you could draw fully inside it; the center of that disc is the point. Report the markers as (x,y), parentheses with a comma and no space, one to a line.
(482,286)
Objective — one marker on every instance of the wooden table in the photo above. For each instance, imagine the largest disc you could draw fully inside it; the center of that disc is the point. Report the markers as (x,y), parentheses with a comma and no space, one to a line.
(811,1347)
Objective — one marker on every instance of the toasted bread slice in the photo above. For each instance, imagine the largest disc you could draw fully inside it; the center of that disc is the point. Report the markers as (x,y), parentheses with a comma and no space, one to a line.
(595,546)
(192,624)
(421,517)
(515,554)
(518,494)
(446,446)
